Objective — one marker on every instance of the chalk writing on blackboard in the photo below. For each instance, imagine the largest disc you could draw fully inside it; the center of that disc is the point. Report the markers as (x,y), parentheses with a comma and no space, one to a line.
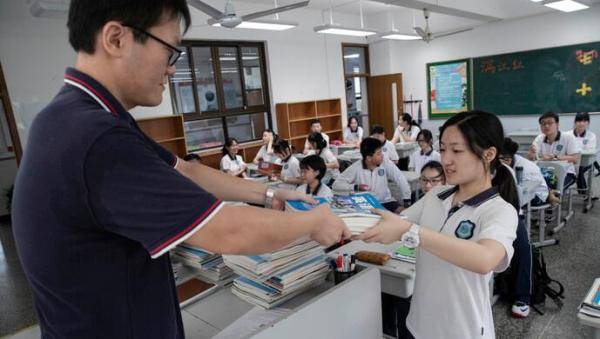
(586,57)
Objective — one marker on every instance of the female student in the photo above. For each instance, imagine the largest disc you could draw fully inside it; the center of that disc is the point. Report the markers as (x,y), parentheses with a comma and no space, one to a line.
(315,127)
(353,133)
(265,153)
(407,129)
(432,175)
(462,233)
(319,144)
(313,169)
(231,162)
(426,152)
(290,166)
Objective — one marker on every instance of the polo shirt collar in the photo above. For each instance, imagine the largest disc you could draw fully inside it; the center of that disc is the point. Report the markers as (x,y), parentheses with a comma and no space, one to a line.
(555,140)
(95,90)
(473,201)
(579,136)
(428,153)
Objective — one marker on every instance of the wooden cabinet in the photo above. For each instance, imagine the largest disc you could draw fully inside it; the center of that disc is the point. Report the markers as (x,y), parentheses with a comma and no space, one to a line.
(167,131)
(294,120)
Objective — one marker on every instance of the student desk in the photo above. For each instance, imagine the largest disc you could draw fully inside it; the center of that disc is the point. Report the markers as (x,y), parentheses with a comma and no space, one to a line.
(405,149)
(300,156)
(397,277)
(587,159)
(524,138)
(342,148)
(350,156)
(586,320)
(351,309)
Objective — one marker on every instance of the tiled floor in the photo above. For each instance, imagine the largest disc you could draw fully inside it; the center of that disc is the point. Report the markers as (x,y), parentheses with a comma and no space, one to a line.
(574,263)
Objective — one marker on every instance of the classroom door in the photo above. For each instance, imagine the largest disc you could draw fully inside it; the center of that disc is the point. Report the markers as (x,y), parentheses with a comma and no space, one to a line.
(385,101)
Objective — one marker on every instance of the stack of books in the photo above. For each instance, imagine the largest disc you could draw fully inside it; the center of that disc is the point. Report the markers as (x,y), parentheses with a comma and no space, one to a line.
(204,264)
(270,279)
(591,304)
(355,209)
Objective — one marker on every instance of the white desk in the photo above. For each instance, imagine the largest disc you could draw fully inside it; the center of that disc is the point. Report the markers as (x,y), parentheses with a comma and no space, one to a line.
(351,156)
(397,277)
(342,148)
(300,156)
(405,149)
(314,313)
(586,320)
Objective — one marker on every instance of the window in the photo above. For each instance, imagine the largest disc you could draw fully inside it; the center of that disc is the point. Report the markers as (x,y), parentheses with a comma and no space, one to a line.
(356,72)
(226,94)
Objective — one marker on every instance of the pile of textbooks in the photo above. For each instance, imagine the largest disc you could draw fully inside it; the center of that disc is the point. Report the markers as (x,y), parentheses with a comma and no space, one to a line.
(355,209)
(591,304)
(270,279)
(204,264)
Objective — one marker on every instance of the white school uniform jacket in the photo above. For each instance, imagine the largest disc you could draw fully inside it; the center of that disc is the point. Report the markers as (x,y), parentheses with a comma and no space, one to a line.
(531,172)
(565,144)
(263,154)
(323,191)
(389,150)
(586,140)
(412,132)
(328,157)
(376,179)
(448,301)
(350,136)
(418,159)
(290,169)
(325,136)
(234,165)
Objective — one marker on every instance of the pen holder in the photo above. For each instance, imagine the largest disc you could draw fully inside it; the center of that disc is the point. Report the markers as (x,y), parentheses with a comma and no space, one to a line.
(339,277)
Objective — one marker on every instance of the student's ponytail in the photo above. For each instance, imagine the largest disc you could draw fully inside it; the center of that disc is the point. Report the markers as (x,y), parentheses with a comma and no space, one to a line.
(504,180)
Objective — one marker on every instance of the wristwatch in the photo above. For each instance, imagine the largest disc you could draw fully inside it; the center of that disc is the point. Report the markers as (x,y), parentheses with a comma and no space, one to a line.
(411,238)
(269,195)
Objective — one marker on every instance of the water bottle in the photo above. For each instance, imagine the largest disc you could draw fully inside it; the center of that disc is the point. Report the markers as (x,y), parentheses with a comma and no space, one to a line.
(519,172)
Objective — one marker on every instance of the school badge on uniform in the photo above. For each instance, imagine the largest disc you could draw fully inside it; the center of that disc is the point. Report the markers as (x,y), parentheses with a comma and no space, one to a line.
(559,147)
(585,141)
(384,149)
(465,230)
(286,166)
(381,172)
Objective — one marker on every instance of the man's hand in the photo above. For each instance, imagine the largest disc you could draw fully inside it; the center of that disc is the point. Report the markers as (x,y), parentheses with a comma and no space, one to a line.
(389,229)
(281,196)
(329,229)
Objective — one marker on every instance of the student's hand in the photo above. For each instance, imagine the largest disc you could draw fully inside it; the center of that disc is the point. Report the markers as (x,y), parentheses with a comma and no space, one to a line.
(282,195)
(547,157)
(329,228)
(389,229)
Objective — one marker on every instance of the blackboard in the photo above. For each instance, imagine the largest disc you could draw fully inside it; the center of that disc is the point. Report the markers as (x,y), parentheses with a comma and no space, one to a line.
(448,87)
(561,79)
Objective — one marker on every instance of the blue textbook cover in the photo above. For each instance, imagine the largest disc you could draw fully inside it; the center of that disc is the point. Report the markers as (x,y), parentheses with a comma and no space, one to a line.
(343,205)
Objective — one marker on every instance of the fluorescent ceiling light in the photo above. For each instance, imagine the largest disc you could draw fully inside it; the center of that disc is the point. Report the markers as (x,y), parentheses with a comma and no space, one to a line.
(566,5)
(273,25)
(339,30)
(351,56)
(537,0)
(399,36)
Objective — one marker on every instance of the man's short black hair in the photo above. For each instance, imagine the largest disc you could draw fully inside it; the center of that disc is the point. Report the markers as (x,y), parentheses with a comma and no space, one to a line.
(191,156)
(582,116)
(87,17)
(316,163)
(377,129)
(369,146)
(549,114)
(315,121)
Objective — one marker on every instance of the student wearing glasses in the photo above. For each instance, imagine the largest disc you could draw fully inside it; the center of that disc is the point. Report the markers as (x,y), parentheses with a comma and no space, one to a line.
(425,153)
(96,214)
(432,175)
(463,233)
(312,169)
(552,144)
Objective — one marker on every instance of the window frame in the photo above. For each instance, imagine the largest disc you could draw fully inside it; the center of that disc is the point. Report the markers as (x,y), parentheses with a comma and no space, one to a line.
(224,112)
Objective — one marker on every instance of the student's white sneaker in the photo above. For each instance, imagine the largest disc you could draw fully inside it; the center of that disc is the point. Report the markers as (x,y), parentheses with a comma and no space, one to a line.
(520,309)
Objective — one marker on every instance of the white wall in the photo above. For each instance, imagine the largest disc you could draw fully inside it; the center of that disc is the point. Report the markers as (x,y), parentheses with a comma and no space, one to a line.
(549,30)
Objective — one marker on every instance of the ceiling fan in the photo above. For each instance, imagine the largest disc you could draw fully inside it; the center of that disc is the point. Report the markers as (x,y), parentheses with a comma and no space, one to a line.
(426,34)
(228,18)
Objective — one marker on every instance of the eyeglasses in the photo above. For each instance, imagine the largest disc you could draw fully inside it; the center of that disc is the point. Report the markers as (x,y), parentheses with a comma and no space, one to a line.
(175,52)
(432,181)
(547,123)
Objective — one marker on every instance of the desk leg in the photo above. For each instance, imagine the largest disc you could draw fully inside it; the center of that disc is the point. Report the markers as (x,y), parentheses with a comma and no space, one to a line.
(588,199)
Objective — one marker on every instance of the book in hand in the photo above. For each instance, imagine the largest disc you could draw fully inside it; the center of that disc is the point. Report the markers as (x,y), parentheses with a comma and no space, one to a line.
(591,304)
(269,168)
(206,265)
(355,209)
(405,254)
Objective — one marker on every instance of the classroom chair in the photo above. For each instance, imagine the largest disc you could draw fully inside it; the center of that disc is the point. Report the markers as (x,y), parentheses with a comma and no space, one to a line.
(566,194)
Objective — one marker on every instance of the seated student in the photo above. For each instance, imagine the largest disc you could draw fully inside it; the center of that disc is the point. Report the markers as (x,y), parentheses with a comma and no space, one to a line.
(319,145)
(586,140)
(265,153)
(389,150)
(192,157)
(531,172)
(231,162)
(313,169)
(551,144)
(372,174)
(290,171)
(353,133)
(315,127)
(426,152)
(432,175)
(407,129)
